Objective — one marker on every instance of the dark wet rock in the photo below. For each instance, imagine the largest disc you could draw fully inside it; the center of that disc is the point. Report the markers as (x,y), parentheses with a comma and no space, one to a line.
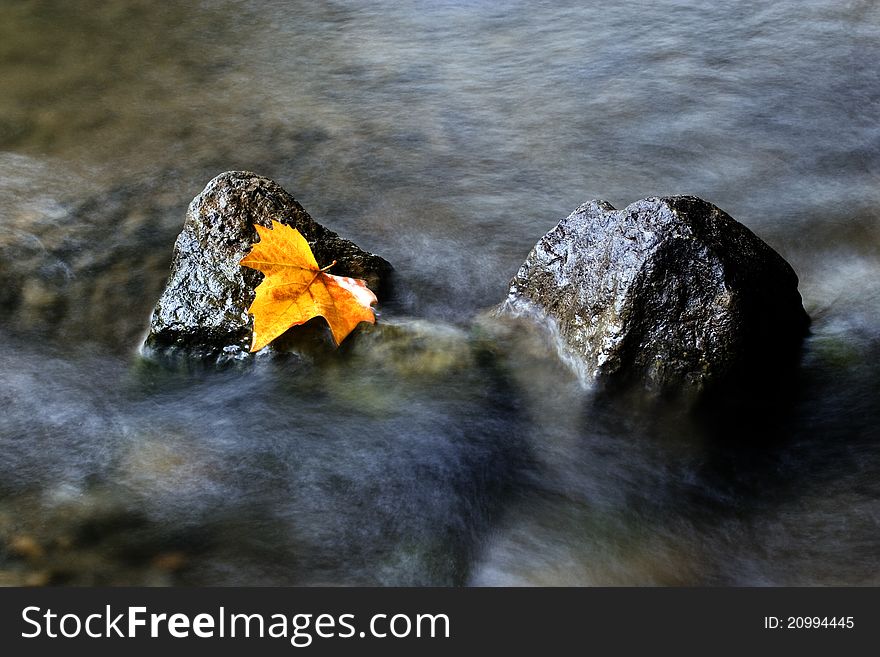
(202,311)
(668,292)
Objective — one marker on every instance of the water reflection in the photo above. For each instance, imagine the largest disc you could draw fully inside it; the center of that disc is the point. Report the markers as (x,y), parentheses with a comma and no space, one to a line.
(447,137)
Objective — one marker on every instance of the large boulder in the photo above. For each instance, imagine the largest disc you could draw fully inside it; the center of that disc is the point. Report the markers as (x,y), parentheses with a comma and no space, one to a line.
(202,311)
(669,292)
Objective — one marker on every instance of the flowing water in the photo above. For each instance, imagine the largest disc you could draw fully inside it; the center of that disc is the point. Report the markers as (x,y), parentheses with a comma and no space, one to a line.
(447,137)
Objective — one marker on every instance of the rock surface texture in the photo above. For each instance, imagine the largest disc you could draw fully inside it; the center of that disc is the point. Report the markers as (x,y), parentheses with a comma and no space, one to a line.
(202,311)
(667,292)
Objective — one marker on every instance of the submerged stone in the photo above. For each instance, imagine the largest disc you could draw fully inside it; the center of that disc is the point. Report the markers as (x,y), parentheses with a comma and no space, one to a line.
(202,311)
(669,292)
(69,262)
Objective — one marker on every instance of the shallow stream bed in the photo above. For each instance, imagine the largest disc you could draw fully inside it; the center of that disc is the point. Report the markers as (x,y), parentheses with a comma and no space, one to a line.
(447,137)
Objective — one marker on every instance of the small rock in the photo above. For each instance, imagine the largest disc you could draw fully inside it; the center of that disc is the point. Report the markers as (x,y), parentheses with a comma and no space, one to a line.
(169,561)
(63,543)
(37,578)
(27,547)
(19,578)
(671,292)
(414,348)
(203,310)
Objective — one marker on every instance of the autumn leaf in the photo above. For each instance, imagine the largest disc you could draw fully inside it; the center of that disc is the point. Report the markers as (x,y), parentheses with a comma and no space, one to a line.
(296,289)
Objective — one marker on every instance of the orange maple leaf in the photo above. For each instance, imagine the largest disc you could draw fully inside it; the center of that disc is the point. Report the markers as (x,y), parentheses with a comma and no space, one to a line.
(296,289)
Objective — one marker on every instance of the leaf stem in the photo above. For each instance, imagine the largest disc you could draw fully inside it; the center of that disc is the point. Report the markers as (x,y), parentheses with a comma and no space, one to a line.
(328,266)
